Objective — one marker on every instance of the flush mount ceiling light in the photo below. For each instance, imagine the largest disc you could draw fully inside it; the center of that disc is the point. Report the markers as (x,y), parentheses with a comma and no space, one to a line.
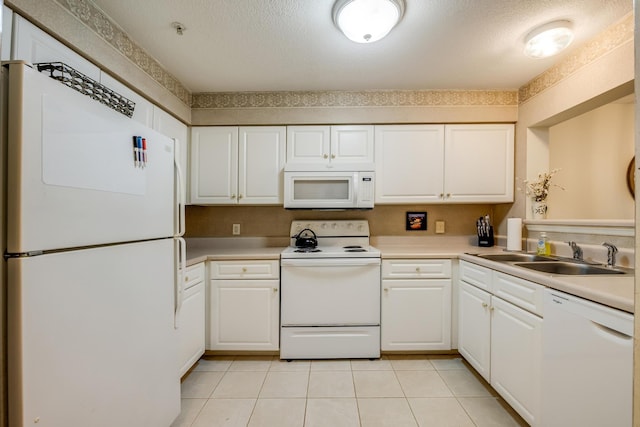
(548,39)
(366,21)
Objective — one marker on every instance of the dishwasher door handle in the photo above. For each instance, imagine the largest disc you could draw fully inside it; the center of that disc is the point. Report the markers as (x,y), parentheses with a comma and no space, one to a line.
(611,332)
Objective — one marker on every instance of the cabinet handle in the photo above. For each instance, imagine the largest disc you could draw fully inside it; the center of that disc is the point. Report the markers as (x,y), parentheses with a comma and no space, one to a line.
(326,156)
(275,289)
(239,196)
(333,156)
(417,269)
(386,289)
(491,308)
(442,195)
(233,196)
(448,195)
(244,269)
(485,305)
(186,278)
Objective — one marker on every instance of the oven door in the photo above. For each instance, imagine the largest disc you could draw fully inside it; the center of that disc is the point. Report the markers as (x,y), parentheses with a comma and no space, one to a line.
(330,292)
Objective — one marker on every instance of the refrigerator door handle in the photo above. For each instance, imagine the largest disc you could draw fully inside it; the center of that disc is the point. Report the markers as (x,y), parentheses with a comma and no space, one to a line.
(181,265)
(180,196)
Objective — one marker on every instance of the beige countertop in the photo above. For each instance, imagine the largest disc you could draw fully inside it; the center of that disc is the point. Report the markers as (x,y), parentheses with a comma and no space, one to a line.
(613,290)
(201,249)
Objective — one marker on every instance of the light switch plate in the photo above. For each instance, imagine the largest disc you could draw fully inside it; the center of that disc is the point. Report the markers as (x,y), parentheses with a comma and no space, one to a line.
(439,227)
(236,229)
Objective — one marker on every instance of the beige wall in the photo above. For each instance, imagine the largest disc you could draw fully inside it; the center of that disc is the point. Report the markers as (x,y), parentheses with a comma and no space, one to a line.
(593,152)
(598,73)
(274,221)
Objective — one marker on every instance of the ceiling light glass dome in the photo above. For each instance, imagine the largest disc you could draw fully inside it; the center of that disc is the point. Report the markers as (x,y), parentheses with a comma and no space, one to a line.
(366,21)
(548,39)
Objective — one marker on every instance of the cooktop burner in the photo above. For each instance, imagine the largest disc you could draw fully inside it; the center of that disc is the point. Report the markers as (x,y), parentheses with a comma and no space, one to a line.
(307,250)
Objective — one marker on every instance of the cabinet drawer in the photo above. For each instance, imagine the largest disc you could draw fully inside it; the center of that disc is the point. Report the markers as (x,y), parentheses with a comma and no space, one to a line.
(416,268)
(476,275)
(193,275)
(253,269)
(523,293)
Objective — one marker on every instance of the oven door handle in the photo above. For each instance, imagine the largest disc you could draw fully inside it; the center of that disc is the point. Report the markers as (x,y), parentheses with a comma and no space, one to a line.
(329,262)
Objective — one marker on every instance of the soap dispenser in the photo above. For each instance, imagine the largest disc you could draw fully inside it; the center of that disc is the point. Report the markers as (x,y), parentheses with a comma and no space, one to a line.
(543,247)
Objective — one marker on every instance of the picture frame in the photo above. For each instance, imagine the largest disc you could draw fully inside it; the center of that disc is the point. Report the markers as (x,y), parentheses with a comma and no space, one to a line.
(416,221)
(631,177)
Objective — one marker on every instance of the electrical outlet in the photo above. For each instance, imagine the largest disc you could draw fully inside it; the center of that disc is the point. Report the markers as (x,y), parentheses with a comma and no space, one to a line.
(439,227)
(236,229)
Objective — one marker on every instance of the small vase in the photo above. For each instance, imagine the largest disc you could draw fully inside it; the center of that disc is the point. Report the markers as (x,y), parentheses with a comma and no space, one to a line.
(539,209)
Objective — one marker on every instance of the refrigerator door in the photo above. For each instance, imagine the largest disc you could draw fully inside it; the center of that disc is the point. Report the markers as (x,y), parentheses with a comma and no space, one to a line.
(90,344)
(73,179)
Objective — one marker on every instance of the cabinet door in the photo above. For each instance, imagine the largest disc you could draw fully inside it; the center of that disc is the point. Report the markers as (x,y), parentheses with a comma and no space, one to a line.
(351,144)
(33,45)
(261,164)
(516,358)
(416,314)
(409,163)
(191,327)
(474,328)
(244,315)
(479,162)
(308,145)
(214,165)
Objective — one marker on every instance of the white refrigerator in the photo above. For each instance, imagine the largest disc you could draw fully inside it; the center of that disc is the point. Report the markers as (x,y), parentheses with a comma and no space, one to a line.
(92,261)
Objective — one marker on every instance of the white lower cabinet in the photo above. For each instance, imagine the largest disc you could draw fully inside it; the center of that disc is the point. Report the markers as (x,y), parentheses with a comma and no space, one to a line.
(191,320)
(499,338)
(416,305)
(244,305)
(474,328)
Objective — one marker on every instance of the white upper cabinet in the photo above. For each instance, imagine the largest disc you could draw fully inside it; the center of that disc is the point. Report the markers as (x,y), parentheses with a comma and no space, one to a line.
(214,165)
(261,164)
(409,163)
(478,163)
(444,163)
(33,45)
(309,147)
(231,165)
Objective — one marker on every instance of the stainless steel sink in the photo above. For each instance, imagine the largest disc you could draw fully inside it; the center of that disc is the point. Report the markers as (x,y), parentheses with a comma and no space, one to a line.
(517,257)
(568,268)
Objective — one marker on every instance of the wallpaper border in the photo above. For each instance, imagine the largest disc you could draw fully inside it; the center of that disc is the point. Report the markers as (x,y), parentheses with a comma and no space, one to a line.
(109,31)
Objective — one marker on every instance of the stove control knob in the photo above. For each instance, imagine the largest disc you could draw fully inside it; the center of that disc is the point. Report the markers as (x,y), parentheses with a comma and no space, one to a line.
(350,226)
(334,225)
(360,227)
(324,225)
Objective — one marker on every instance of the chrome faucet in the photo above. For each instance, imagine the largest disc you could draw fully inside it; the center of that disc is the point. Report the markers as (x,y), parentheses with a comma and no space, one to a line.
(611,254)
(577,250)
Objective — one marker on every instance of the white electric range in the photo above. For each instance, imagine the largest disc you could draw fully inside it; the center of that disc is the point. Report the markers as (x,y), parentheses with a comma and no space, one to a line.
(330,292)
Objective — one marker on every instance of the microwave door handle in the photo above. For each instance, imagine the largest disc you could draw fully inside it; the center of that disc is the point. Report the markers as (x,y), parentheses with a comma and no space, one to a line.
(356,190)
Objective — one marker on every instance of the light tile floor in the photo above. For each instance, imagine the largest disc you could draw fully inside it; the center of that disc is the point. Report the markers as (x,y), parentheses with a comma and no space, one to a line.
(398,391)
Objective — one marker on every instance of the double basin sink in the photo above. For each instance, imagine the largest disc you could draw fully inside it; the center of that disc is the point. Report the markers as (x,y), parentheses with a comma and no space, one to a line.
(553,265)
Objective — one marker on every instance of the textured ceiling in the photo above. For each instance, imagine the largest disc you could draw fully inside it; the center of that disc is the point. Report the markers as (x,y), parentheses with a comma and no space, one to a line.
(274,45)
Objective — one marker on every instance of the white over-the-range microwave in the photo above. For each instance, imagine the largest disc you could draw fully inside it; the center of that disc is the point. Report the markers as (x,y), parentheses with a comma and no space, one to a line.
(329,189)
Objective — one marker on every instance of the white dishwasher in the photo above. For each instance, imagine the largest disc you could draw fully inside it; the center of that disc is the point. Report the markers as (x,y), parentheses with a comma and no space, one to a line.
(587,363)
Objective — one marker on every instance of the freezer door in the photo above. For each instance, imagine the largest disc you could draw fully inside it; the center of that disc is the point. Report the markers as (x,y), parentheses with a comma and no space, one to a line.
(72,177)
(91,337)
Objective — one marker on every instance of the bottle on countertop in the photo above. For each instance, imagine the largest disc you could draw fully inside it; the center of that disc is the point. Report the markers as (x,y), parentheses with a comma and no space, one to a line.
(543,247)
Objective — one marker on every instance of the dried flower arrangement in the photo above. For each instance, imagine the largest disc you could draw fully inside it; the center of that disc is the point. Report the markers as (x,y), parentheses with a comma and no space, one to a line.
(539,188)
